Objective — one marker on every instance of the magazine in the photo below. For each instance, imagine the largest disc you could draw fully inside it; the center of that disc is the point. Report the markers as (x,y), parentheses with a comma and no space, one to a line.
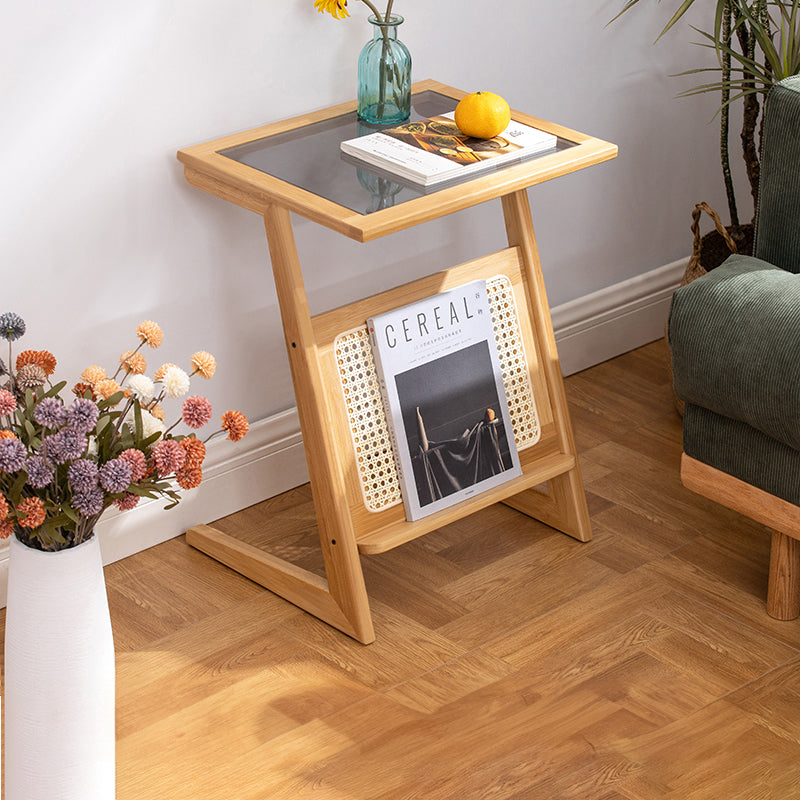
(434,150)
(445,404)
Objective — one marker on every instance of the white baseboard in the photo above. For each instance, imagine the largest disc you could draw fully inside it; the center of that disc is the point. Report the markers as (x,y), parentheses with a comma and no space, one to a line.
(270,460)
(610,322)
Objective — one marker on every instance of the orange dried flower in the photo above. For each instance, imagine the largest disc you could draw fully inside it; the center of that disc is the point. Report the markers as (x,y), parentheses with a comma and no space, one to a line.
(42,358)
(6,528)
(107,387)
(3,507)
(133,362)
(80,389)
(32,512)
(94,374)
(7,435)
(189,478)
(236,424)
(204,364)
(150,333)
(195,452)
(158,412)
(161,370)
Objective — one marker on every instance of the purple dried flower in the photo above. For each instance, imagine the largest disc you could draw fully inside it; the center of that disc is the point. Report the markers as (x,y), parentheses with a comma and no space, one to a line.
(50,413)
(66,445)
(115,476)
(88,503)
(40,474)
(82,415)
(12,455)
(12,326)
(82,475)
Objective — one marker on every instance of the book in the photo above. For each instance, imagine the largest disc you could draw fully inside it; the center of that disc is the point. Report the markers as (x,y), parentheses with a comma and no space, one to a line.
(442,387)
(434,150)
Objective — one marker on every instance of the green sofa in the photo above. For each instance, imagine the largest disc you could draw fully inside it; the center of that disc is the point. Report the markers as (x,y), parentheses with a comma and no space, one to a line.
(734,337)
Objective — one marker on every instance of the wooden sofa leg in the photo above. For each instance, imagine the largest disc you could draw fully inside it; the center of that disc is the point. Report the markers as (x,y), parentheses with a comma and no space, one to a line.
(783,593)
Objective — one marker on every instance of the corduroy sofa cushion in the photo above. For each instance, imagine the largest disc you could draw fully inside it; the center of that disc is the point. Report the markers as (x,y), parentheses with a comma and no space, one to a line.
(735,341)
(742,451)
(777,237)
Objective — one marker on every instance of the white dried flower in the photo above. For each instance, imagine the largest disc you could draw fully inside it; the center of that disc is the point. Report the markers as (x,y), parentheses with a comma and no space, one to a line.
(142,386)
(151,424)
(175,381)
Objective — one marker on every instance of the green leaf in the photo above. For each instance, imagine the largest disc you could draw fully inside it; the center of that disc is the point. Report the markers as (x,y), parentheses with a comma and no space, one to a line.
(15,494)
(149,440)
(628,5)
(142,492)
(54,390)
(70,513)
(102,423)
(111,401)
(684,7)
(137,418)
(30,431)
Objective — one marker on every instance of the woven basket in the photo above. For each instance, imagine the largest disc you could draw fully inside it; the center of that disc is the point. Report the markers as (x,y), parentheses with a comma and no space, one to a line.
(695,269)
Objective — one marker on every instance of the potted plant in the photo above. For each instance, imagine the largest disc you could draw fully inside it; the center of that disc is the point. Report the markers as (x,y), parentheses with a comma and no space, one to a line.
(757,44)
(62,464)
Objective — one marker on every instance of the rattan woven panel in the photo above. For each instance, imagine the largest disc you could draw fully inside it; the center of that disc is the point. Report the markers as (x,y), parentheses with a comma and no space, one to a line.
(365,413)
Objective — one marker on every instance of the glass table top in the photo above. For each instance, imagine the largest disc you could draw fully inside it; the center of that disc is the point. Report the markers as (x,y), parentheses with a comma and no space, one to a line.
(310,158)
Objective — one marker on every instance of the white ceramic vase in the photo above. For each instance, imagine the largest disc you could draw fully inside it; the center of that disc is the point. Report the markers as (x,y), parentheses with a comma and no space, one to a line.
(59,676)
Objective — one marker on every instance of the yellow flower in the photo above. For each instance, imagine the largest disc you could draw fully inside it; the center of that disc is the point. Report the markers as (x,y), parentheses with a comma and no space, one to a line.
(107,388)
(204,364)
(94,374)
(133,362)
(336,8)
(150,333)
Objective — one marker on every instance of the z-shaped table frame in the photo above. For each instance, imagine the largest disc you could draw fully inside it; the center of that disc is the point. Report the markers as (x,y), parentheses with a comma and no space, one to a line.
(236,169)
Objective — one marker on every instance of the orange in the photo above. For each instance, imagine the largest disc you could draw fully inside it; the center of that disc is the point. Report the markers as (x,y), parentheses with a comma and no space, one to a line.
(482,115)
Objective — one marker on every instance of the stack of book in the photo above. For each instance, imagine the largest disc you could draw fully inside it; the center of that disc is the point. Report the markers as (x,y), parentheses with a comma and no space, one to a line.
(434,150)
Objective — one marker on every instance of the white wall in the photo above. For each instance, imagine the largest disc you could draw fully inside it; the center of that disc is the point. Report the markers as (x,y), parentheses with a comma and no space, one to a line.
(100,230)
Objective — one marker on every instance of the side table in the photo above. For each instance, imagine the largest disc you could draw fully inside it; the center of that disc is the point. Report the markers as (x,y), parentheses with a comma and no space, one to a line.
(295,166)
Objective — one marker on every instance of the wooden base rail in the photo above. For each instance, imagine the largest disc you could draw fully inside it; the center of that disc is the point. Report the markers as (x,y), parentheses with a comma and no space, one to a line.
(783,590)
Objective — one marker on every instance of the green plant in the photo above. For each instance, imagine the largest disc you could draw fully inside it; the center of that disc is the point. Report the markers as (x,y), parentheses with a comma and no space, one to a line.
(757,43)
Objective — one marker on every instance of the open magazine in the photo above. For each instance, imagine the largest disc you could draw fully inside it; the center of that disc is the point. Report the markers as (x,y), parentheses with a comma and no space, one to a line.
(434,150)
(445,403)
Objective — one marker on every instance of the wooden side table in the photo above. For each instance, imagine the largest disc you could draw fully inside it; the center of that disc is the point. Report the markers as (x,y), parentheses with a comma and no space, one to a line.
(295,166)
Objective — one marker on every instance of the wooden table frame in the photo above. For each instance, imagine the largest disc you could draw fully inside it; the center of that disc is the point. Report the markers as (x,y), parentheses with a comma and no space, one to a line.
(346,529)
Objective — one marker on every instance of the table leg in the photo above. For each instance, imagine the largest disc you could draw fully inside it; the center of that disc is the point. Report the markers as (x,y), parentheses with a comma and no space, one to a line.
(564,507)
(342,600)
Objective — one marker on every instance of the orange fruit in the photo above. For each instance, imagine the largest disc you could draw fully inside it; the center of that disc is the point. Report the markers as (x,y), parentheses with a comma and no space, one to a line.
(482,115)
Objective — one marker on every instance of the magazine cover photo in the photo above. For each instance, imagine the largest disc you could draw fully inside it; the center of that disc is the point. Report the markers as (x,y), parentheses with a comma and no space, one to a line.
(453,424)
(441,135)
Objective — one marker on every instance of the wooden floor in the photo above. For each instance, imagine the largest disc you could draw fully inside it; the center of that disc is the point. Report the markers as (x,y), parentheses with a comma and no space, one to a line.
(511,661)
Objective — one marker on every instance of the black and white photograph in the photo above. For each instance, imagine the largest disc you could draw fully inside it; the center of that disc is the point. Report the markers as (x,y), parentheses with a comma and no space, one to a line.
(456,438)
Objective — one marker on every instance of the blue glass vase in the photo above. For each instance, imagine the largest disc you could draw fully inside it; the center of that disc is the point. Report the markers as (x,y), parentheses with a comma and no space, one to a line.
(384,75)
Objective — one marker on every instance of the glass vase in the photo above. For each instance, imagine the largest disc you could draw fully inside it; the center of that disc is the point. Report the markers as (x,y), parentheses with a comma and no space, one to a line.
(384,75)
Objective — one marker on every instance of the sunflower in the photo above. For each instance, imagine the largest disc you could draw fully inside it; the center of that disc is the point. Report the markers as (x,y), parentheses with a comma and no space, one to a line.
(336,8)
